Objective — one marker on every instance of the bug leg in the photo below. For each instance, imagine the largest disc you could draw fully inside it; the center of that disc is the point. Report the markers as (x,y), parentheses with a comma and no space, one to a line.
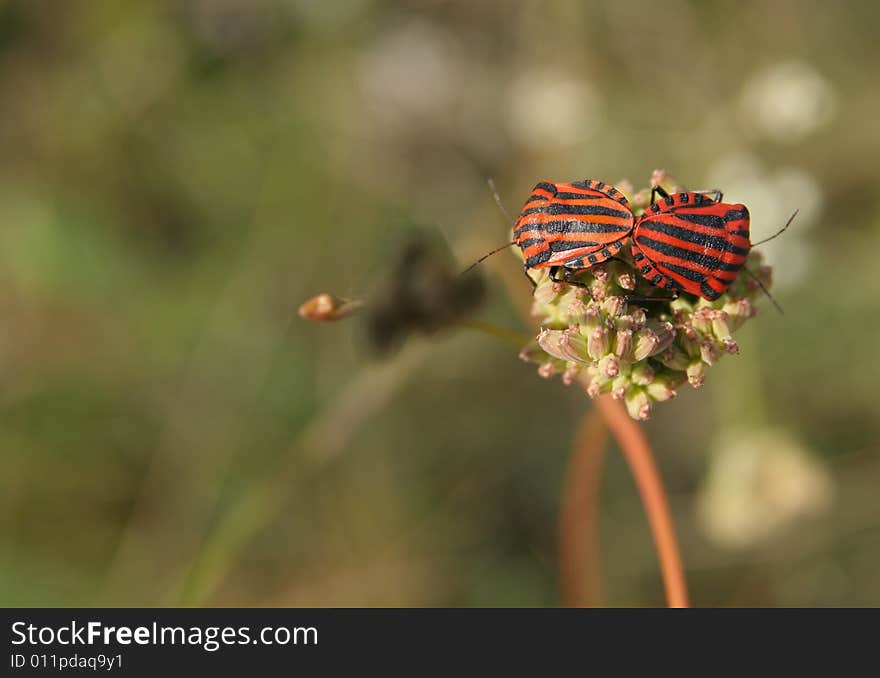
(658,190)
(529,278)
(716,191)
(639,298)
(554,270)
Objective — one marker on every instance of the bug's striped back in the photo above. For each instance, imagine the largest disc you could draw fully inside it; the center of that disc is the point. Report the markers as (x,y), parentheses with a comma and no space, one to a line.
(575,224)
(691,243)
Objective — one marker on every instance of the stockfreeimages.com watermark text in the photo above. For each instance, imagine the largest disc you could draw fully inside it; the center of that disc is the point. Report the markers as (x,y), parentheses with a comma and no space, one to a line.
(209,638)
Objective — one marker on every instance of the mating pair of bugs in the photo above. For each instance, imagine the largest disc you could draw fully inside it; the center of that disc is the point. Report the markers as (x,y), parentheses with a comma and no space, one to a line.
(686,242)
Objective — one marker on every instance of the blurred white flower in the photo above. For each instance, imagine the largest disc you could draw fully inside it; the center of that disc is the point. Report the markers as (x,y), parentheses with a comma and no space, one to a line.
(758,484)
(788,101)
(412,73)
(326,14)
(546,108)
(771,198)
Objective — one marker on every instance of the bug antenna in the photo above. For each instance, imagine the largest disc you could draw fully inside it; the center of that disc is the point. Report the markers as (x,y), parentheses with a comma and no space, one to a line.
(497,198)
(779,232)
(765,290)
(487,255)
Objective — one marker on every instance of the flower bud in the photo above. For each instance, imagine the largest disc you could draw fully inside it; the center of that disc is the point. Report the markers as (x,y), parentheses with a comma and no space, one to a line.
(626,281)
(642,374)
(700,320)
(623,342)
(609,366)
(696,373)
(638,404)
(576,310)
(546,370)
(709,353)
(596,385)
(659,177)
(720,326)
(681,305)
(738,311)
(619,387)
(660,389)
(532,353)
(674,358)
(571,373)
(326,307)
(591,319)
(665,336)
(638,315)
(645,342)
(730,345)
(613,305)
(641,198)
(625,186)
(598,343)
(565,344)
(689,333)
(546,292)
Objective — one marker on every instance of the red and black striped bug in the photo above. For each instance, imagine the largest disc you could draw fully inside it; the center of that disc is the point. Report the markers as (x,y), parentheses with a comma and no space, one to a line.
(686,243)
(568,227)
(691,243)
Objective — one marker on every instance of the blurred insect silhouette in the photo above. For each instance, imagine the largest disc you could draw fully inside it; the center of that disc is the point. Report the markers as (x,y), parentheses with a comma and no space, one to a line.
(423,292)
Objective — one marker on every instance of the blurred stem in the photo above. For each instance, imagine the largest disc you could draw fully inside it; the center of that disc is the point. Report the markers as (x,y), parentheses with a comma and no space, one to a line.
(637,451)
(328,435)
(579,563)
(508,336)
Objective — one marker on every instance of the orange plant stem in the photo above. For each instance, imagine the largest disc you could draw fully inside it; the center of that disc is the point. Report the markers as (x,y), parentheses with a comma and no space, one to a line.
(579,564)
(637,451)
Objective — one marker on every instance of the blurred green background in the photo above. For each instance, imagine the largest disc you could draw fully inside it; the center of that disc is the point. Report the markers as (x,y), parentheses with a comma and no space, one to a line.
(177,177)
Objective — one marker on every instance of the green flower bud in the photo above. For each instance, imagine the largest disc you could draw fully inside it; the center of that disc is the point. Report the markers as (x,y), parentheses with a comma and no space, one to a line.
(597,383)
(638,404)
(681,305)
(674,358)
(619,387)
(660,389)
(642,374)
